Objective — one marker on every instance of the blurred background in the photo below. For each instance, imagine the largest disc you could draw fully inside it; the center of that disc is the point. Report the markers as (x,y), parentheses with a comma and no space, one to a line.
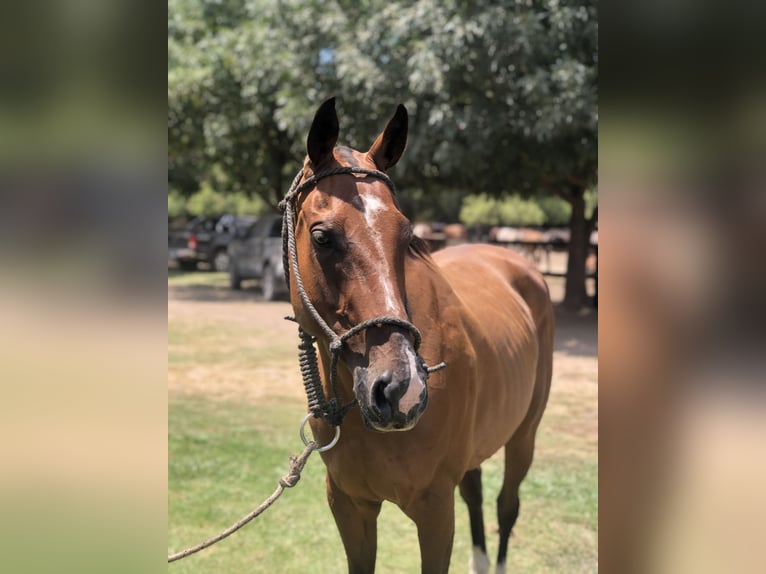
(82,288)
(682,139)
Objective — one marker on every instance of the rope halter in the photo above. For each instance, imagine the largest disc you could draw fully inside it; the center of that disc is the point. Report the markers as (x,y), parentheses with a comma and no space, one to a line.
(331,410)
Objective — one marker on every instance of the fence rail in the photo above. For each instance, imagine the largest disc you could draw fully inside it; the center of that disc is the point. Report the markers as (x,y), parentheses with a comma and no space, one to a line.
(534,250)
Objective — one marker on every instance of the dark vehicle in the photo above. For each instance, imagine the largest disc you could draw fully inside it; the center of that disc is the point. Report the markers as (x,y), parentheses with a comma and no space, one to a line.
(205,240)
(256,253)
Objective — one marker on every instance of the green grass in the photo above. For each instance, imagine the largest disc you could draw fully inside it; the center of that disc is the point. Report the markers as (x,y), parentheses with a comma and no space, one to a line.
(226,457)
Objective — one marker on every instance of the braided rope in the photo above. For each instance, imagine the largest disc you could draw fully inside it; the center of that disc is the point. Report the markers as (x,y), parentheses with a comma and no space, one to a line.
(380,321)
(287,481)
(307,359)
(331,410)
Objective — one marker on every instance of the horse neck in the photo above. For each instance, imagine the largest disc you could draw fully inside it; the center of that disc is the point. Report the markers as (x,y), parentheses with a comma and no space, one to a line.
(428,295)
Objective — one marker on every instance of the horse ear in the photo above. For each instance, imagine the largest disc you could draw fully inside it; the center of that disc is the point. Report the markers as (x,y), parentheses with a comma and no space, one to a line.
(323,133)
(389,145)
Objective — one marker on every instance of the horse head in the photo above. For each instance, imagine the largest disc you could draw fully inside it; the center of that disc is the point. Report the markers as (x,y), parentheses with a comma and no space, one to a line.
(351,243)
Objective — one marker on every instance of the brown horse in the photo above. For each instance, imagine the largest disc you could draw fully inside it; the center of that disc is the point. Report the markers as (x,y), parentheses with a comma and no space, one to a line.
(481,309)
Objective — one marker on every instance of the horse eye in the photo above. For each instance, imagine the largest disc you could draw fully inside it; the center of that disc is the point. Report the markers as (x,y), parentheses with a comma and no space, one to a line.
(321,237)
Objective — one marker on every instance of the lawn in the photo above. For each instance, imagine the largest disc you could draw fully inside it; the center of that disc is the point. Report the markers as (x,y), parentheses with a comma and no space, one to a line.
(233,423)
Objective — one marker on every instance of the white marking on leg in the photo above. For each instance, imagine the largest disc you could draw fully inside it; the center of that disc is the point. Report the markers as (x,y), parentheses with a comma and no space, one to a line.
(479,563)
(500,568)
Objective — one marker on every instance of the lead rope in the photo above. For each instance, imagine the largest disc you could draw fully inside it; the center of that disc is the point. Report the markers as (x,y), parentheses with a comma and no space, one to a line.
(332,410)
(287,481)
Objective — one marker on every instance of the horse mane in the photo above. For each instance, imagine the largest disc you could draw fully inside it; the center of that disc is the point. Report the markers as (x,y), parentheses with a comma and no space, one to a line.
(419,249)
(347,155)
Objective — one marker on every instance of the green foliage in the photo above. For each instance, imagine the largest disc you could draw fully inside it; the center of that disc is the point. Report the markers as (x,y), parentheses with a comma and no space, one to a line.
(176,204)
(479,209)
(244,205)
(557,210)
(513,210)
(419,204)
(207,201)
(502,96)
(242,85)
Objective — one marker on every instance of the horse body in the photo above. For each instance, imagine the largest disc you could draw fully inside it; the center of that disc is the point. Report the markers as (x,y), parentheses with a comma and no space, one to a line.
(482,309)
(500,328)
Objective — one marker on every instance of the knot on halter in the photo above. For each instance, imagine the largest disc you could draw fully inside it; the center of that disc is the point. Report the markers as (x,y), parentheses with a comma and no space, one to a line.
(336,345)
(296,467)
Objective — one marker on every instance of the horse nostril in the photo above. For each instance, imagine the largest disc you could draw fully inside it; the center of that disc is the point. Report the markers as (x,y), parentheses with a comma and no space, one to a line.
(380,398)
(386,393)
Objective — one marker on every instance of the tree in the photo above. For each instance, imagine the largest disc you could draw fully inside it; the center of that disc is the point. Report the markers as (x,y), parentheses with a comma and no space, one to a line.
(243,80)
(511,210)
(502,95)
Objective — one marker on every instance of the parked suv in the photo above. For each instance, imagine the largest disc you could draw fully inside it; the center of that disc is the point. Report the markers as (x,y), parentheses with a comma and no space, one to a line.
(256,253)
(205,240)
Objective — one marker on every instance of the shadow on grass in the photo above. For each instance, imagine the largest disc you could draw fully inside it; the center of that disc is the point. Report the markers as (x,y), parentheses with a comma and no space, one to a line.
(576,332)
(205,286)
(205,293)
(250,292)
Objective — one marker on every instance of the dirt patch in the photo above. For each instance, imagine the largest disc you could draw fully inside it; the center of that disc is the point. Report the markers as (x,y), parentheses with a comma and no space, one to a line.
(250,354)
(247,344)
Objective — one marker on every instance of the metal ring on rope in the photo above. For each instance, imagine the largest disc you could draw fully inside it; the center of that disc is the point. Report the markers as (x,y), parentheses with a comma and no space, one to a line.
(329,445)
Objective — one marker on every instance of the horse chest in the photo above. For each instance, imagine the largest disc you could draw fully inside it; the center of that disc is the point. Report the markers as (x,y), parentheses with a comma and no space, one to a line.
(390,468)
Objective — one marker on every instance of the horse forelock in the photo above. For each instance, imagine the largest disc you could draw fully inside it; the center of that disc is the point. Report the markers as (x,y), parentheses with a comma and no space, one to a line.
(347,155)
(343,156)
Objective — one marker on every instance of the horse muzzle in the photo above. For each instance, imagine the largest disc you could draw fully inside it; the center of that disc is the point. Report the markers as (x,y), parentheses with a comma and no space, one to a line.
(392,395)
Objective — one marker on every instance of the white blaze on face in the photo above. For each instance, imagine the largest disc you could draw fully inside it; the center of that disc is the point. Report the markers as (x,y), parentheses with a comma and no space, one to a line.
(373,207)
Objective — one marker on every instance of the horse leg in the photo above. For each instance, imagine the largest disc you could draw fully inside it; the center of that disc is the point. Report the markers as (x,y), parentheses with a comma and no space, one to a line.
(519,452)
(357,522)
(518,458)
(433,512)
(520,449)
(470,491)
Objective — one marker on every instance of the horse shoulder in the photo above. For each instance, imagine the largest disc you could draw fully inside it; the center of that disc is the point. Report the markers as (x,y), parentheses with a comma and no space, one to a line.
(501,300)
(479,262)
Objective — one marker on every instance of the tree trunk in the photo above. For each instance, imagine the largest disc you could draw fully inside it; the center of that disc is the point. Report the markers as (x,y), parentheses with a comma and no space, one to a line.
(591,226)
(576,295)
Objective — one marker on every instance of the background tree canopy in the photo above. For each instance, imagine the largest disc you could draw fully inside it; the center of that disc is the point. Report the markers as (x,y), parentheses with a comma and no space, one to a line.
(502,97)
